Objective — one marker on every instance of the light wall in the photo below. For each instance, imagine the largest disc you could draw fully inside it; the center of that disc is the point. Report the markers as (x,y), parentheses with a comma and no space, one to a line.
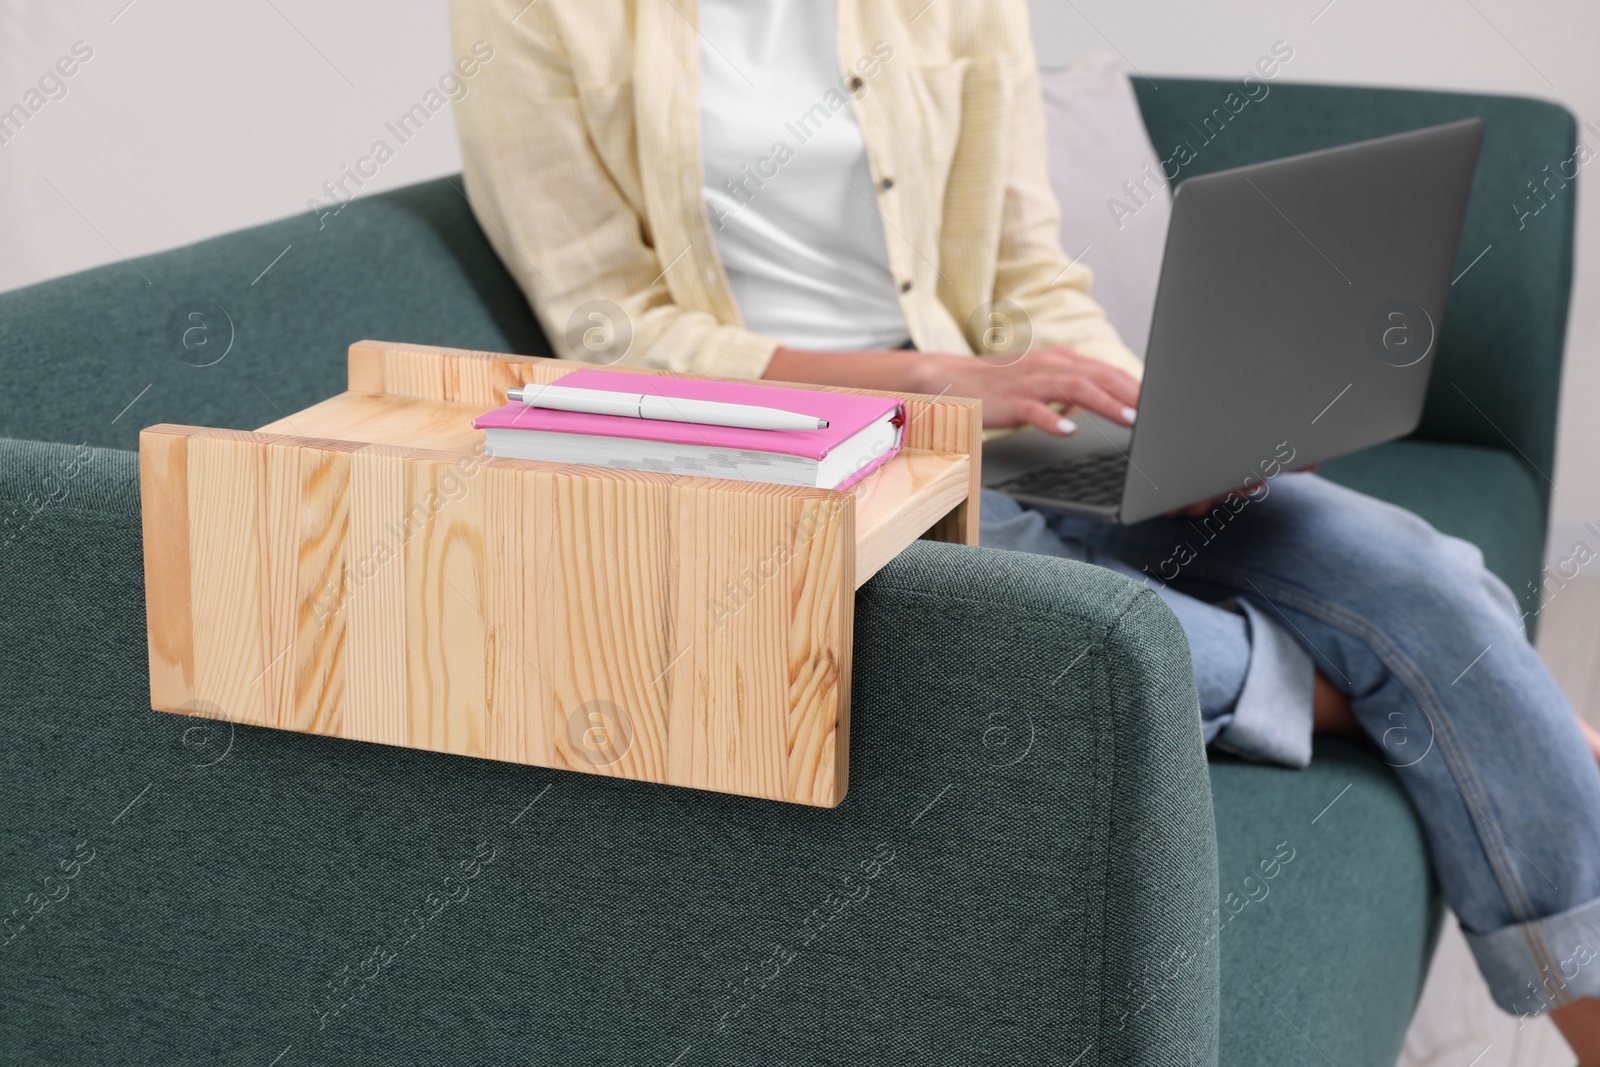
(195,118)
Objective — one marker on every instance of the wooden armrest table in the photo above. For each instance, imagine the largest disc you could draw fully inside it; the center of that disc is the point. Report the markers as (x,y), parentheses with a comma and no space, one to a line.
(360,569)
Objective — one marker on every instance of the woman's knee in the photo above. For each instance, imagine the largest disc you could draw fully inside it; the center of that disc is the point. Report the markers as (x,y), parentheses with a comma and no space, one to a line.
(1398,560)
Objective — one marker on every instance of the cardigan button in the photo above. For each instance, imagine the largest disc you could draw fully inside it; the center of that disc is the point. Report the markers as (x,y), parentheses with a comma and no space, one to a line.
(905,287)
(886,184)
(855,84)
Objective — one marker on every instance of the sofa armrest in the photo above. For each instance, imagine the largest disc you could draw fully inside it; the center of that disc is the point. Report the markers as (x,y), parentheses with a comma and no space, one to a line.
(1024,869)
(1075,685)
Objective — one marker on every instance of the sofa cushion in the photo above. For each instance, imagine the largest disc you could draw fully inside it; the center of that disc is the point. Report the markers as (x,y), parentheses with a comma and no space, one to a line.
(1324,962)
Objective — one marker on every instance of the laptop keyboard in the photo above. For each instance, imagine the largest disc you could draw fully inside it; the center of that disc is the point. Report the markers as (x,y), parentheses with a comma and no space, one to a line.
(1096,480)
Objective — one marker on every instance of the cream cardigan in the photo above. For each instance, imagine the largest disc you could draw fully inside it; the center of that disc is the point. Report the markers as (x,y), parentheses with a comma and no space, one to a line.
(581,151)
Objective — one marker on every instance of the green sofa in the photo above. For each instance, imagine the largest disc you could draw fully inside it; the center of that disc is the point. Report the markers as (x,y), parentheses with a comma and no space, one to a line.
(1030,867)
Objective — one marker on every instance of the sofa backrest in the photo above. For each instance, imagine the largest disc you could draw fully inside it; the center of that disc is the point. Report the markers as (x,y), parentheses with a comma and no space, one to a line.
(1498,376)
(242,329)
(284,300)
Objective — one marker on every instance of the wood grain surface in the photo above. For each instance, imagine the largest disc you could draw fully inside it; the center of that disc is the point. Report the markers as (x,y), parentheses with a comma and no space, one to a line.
(360,569)
(937,424)
(895,504)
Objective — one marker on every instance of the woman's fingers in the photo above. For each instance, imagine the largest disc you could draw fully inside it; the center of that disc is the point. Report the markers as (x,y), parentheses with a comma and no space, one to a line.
(1090,395)
(1047,418)
(1064,362)
(1022,392)
(1119,383)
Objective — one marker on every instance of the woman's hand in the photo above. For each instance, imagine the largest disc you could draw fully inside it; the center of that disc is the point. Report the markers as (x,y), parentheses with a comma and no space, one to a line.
(1015,390)
(1195,510)
(1018,390)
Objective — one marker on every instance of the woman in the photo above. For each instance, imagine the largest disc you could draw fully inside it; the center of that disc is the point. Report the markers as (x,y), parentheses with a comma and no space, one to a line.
(838,193)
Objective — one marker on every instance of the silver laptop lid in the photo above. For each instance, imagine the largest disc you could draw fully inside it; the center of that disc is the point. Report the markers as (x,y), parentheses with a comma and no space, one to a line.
(1298,312)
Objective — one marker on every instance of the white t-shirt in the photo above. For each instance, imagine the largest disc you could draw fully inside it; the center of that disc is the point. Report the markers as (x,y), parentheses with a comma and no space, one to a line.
(787,187)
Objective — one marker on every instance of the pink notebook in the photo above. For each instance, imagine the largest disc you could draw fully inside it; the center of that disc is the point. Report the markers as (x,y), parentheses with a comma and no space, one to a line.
(848,415)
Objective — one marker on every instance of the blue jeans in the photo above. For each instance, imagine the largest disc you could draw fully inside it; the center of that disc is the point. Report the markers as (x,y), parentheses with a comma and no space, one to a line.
(1430,649)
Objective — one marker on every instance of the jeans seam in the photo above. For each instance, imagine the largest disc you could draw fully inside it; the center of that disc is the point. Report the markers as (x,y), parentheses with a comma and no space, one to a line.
(1422,692)
(1533,938)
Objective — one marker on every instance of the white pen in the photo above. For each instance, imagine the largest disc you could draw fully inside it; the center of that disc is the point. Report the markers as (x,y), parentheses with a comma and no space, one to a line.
(666,408)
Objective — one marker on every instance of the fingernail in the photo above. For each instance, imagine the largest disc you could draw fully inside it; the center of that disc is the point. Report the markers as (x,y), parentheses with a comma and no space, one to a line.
(1127,415)
(1066,426)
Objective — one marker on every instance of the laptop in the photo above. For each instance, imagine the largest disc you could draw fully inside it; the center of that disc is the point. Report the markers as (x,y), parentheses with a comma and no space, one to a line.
(1296,320)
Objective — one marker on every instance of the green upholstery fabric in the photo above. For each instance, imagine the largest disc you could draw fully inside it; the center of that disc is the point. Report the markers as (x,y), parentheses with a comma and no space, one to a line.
(410,265)
(1019,846)
(1500,346)
(1325,964)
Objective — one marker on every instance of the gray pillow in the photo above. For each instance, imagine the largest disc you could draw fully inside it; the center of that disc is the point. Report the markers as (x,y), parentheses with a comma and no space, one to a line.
(1115,203)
